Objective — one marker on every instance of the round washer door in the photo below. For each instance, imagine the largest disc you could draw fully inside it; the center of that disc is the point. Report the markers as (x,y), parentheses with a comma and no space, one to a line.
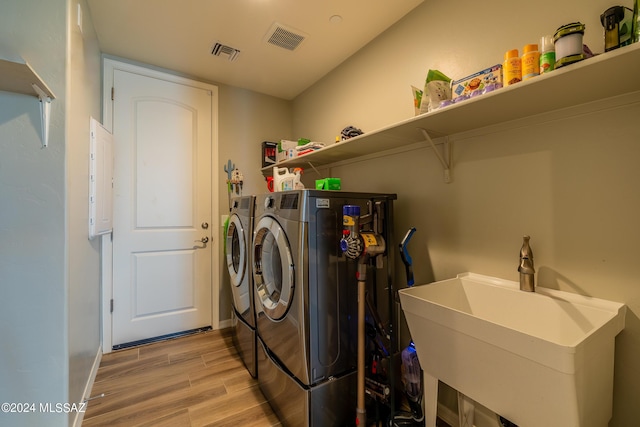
(236,248)
(272,268)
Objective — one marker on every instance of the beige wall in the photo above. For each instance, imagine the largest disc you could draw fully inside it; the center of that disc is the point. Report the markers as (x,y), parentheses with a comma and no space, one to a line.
(49,271)
(246,119)
(571,183)
(83,89)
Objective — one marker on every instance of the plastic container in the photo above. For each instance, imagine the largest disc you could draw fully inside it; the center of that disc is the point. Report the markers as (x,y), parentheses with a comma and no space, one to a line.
(283,180)
(411,372)
(568,44)
(512,68)
(530,61)
(547,54)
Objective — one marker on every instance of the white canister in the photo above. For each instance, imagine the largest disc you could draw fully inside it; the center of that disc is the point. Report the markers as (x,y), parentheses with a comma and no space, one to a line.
(283,179)
(568,44)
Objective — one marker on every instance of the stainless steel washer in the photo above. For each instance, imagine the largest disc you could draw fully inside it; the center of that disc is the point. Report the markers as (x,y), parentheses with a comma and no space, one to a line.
(306,306)
(238,256)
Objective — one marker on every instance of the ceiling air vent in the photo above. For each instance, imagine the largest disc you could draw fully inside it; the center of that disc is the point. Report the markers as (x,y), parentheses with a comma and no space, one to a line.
(284,37)
(222,50)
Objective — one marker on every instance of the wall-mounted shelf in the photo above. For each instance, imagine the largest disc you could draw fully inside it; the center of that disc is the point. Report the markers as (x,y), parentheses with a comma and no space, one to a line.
(19,77)
(604,76)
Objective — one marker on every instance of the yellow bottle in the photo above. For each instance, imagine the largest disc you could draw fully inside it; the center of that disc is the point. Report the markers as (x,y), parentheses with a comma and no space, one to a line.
(512,68)
(530,61)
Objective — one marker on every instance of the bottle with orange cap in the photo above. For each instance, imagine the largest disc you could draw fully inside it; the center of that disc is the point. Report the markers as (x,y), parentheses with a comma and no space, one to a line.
(530,61)
(512,68)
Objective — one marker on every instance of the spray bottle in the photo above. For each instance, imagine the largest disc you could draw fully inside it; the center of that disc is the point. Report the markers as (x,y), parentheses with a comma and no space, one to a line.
(412,380)
(411,371)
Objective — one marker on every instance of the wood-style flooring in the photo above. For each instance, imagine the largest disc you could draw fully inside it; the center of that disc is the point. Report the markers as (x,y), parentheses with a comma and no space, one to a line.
(198,380)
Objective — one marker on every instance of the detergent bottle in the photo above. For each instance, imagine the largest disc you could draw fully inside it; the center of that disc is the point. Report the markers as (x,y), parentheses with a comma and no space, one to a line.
(297,184)
(284,180)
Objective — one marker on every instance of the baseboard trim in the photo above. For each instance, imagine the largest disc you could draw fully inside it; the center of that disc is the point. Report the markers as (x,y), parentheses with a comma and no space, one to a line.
(77,422)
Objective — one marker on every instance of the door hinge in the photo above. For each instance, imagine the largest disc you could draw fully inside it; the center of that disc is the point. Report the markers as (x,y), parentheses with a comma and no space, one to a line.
(113,91)
(111,306)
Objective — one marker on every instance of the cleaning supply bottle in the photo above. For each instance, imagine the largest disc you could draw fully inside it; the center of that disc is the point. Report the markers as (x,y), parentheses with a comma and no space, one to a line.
(547,54)
(512,68)
(412,379)
(283,180)
(530,61)
(297,183)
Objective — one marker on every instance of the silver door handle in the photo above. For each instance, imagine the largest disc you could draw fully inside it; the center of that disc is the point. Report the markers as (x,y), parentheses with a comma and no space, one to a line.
(204,240)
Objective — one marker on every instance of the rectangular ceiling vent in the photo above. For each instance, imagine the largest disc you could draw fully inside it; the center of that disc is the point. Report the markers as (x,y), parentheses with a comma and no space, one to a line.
(284,37)
(219,49)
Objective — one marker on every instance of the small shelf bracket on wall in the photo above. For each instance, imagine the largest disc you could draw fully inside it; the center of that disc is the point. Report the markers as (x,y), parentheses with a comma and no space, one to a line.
(45,113)
(314,168)
(19,77)
(444,157)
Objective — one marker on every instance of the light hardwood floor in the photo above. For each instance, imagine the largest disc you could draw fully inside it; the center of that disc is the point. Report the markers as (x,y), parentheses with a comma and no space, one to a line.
(198,380)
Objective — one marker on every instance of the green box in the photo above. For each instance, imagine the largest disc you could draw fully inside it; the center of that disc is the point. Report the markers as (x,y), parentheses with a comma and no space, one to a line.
(328,184)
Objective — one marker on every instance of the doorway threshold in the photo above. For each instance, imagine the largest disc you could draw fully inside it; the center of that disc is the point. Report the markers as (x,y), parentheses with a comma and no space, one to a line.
(160,338)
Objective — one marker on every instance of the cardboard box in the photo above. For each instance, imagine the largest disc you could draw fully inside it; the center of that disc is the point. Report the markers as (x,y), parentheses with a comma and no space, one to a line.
(328,184)
(269,150)
(477,81)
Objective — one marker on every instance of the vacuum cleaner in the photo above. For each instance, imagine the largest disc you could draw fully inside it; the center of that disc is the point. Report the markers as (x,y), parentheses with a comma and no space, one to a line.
(363,246)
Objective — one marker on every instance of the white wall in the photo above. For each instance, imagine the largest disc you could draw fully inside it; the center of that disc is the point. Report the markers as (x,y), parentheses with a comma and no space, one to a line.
(49,270)
(83,91)
(572,184)
(33,250)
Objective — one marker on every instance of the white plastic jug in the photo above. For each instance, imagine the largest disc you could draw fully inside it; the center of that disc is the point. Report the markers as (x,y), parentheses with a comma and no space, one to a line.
(284,180)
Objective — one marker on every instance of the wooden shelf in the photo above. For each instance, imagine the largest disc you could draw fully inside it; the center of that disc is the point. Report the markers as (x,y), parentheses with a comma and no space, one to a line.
(603,76)
(19,77)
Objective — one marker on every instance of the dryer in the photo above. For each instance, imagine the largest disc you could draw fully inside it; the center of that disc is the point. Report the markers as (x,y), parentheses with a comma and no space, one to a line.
(306,305)
(238,258)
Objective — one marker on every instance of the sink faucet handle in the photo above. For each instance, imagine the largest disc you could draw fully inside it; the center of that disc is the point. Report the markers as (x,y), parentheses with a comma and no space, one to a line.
(526,266)
(525,250)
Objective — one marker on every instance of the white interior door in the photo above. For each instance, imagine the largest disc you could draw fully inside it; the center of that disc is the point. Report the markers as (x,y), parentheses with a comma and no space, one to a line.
(163,231)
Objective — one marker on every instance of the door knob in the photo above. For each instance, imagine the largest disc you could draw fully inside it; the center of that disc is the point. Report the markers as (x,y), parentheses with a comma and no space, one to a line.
(204,240)
(205,225)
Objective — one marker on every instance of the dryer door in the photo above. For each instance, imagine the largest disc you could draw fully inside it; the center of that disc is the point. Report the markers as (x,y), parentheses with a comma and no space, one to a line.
(237,251)
(272,268)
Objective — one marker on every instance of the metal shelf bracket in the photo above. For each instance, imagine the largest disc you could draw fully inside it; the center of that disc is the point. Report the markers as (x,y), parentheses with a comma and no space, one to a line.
(45,113)
(444,157)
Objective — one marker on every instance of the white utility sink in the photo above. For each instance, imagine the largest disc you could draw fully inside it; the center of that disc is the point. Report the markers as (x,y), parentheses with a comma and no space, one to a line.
(537,359)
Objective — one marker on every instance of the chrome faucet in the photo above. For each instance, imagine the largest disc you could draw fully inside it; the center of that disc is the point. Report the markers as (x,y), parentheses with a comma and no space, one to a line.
(527,279)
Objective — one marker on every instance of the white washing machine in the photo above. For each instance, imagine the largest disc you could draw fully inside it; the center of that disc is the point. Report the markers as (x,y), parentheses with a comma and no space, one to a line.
(238,256)
(306,306)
